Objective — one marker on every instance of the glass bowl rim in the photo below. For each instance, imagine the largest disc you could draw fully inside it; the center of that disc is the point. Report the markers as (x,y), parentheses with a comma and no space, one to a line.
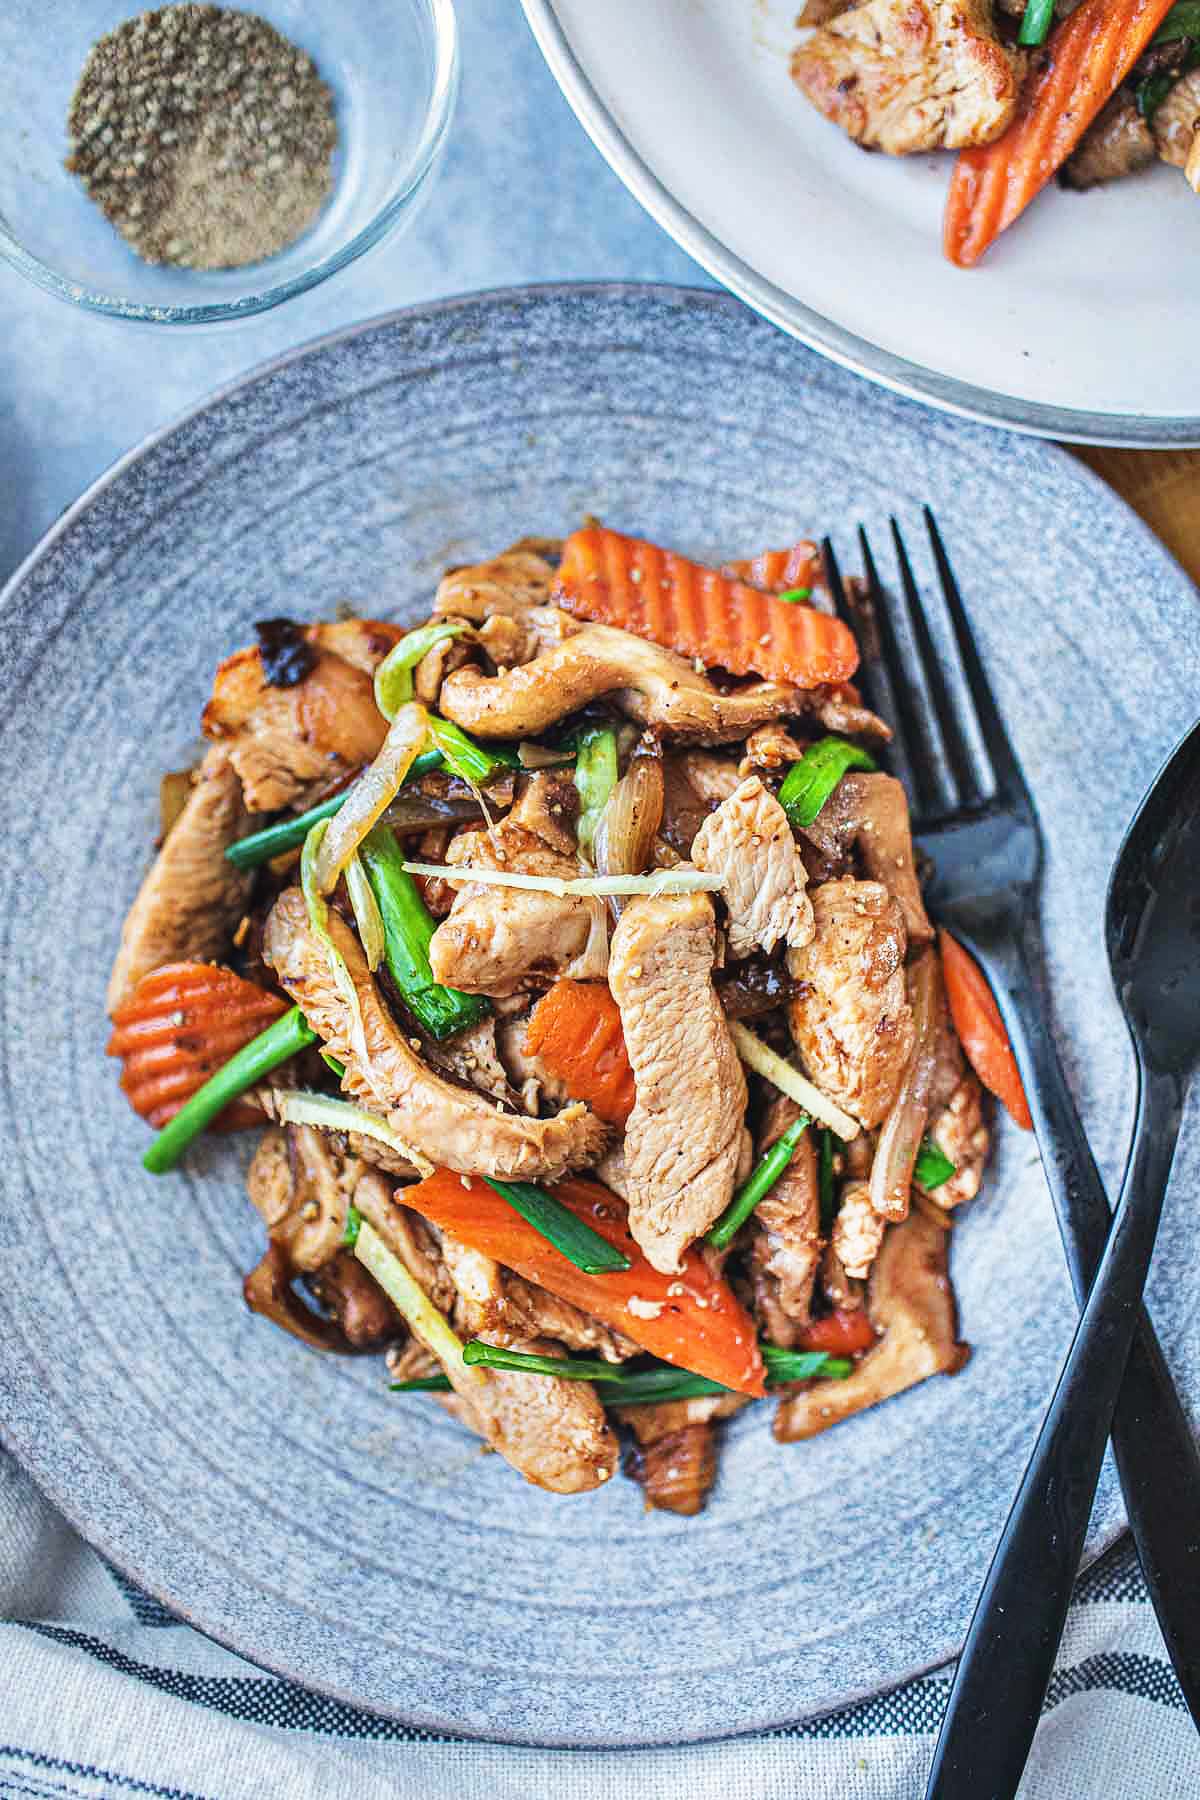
(438,114)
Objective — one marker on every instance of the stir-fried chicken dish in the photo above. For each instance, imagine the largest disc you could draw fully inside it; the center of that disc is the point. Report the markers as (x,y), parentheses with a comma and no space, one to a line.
(1090,90)
(568,954)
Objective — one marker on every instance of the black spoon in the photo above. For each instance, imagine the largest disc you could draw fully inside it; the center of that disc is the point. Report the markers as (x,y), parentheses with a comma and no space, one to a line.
(1153,933)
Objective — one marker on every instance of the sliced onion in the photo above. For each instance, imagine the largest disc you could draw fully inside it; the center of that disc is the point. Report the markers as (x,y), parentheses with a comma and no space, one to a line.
(537,756)
(366,912)
(375,788)
(624,841)
(904,1127)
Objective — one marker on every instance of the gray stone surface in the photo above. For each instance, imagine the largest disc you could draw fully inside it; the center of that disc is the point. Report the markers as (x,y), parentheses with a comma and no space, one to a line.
(287,1503)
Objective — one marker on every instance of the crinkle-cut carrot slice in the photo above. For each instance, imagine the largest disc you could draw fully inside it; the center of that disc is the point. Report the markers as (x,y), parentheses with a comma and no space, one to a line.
(182,1023)
(1085,59)
(575,1032)
(702,614)
(778,570)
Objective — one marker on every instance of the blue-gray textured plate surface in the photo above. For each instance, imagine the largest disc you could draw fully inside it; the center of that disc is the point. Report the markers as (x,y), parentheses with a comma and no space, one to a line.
(286,1503)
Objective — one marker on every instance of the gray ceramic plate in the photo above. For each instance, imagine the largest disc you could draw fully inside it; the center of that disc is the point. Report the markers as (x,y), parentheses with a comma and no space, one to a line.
(286,1503)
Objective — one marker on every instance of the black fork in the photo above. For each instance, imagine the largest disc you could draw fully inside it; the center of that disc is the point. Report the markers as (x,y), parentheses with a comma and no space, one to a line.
(974,817)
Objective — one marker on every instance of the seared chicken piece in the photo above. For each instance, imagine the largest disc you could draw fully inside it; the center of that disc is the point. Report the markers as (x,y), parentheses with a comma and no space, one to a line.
(284,741)
(498,940)
(1176,127)
(472,1056)
(911,1304)
(301,1185)
(675,1453)
(1118,142)
(869,813)
(770,747)
(909,75)
(652,685)
(192,898)
(786,1251)
(449,1125)
(684,1135)
(553,1432)
(712,778)
(749,844)
(504,585)
(956,1118)
(857,1231)
(851,1020)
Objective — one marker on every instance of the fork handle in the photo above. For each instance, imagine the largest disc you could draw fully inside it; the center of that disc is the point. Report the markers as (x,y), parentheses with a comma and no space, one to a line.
(1156,1454)
(997,1696)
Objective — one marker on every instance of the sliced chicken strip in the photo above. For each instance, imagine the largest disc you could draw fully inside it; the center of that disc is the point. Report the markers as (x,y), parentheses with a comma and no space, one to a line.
(499,941)
(553,1432)
(749,844)
(684,1136)
(851,1021)
(192,898)
(911,1303)
(857,1231)
(786,1250)
(450,1125)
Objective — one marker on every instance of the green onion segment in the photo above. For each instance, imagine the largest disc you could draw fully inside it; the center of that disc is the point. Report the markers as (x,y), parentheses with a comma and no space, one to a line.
(1183,21)
(932,1166)
(285,834)
(809,782)
(394,676)
(282,1039)
(826,1188)
(331,1062)
(760,1181)
(571,1236)
(1035,26)
(464,757)
(353,1226)
(423,1384)
(794,596)
(408,928)
(409,1299)
(660,1381)
(595,778)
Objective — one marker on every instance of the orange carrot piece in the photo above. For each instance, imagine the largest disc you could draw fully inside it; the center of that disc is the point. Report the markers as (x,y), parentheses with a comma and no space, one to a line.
(655,594)
(981,1029)
(778,570)
(692,1319)
(575,1031)
(841,1333)
(181,1024)
(1085,59)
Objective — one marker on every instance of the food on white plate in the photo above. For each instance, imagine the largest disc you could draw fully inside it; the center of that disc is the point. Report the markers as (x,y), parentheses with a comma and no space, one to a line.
(1090,90)
(568,952)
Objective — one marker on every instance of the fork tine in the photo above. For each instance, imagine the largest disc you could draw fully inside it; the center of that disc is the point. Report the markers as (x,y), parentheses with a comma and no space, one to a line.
(1004,772)
(930,787)
(872,677)
(960,763)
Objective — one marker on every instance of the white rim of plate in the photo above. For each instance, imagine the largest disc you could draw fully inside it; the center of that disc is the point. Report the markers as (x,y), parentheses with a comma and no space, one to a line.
(858,354)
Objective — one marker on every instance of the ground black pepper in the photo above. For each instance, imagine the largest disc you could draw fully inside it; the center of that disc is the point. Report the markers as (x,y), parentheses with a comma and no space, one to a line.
(205,136)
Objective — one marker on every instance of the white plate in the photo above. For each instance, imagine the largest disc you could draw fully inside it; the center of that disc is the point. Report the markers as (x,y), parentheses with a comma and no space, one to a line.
(1079,323)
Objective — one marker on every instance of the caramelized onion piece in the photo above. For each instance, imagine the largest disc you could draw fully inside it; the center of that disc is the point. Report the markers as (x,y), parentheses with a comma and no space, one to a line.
(904,1127)
(624,841)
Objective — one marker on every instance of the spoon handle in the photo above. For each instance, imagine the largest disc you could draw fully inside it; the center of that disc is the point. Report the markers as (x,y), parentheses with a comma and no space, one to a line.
(1156,1454)
(1002,1676)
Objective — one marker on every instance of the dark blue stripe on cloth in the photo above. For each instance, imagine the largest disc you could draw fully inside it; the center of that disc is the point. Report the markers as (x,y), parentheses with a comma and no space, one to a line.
(910,1711)
(89,1772)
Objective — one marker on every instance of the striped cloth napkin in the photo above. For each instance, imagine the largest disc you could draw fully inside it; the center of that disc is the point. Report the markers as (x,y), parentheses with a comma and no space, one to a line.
(102,1693)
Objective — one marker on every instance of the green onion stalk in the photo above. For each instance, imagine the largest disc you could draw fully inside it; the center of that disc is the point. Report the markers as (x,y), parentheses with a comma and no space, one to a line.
(809,782)
(759,1183)
(795,596)
(408,928)
(571,1236)
(595,778)
(286,834)
(1035,26)
(622,1386)
(282,1039)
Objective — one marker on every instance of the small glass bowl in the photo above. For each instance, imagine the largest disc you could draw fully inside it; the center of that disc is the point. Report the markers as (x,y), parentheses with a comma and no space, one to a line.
(393,68)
